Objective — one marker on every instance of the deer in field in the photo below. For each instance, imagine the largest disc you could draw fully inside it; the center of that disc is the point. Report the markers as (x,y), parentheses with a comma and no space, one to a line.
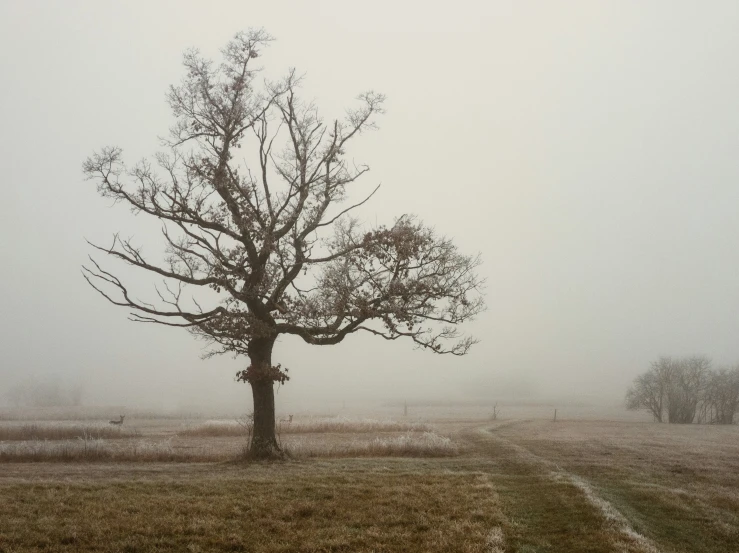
(120,422)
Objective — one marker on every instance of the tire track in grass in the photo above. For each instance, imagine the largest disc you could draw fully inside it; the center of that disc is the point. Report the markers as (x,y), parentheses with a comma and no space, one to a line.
(612,516)
(495,542)
(613,532)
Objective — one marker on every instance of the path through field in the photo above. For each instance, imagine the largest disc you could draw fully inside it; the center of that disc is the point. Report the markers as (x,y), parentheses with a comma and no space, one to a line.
(554,510)
(518,486)
(594,486)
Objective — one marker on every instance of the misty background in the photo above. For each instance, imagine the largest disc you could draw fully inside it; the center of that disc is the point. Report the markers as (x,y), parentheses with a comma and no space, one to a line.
(588,151)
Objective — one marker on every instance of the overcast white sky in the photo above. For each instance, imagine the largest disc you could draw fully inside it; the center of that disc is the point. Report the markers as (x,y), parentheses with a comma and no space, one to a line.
(588,150)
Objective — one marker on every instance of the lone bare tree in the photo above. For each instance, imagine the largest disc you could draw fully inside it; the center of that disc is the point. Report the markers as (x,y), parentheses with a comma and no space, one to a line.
(270,241)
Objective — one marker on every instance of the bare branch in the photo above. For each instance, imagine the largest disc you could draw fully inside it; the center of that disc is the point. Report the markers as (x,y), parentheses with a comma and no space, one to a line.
(273,249)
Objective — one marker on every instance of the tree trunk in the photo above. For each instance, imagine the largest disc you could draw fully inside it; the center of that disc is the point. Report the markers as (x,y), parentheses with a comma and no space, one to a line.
(263,440)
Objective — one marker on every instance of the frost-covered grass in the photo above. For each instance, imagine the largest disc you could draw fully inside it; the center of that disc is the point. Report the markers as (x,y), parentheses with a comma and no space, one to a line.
(60,431)
(209,448)
(526,485)
(340,425)
(346,425)
(98,449)
(654,487)
(216,429)
(426,444)
(94,414)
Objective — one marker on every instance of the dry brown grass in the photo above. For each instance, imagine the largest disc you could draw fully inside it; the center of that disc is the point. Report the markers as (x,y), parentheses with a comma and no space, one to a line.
(595,486)
(346,425)
(209,449)
(216,428)
(92,413)
(91,449)
(60,431)
(404,506)
(426,444)
(676,487)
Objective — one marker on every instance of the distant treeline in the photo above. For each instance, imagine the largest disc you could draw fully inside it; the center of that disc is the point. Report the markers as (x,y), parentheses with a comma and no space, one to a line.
(687,390)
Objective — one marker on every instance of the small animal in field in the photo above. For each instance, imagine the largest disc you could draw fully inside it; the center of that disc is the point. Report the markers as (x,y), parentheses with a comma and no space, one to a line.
(120,422)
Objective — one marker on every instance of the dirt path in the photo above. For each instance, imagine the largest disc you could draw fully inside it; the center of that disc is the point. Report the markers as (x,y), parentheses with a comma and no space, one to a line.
(549,509)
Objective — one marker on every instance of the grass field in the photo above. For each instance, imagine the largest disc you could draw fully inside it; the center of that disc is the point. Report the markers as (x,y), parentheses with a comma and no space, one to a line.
(511,485)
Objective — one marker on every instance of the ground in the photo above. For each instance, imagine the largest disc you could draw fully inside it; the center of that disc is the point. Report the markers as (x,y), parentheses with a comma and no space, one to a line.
(515,485)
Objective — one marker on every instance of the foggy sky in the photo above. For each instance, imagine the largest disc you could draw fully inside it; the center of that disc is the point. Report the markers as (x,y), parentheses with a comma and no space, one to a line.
(588,150)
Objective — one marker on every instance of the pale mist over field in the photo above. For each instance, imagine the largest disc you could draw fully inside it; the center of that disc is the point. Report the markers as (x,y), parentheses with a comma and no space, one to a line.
(587,150)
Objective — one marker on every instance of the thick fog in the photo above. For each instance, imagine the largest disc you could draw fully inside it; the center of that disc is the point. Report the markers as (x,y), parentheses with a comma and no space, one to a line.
(587,150)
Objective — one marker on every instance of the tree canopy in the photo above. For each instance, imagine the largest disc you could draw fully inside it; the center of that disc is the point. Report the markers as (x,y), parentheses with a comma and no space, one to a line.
(271,238)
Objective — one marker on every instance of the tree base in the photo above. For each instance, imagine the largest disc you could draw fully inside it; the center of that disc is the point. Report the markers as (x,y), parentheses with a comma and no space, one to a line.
(264,450)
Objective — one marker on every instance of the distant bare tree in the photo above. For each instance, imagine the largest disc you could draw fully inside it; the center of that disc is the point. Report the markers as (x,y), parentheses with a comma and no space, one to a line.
(721,399)
(270,239)
(649,390)
(676,390)
(686,387)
